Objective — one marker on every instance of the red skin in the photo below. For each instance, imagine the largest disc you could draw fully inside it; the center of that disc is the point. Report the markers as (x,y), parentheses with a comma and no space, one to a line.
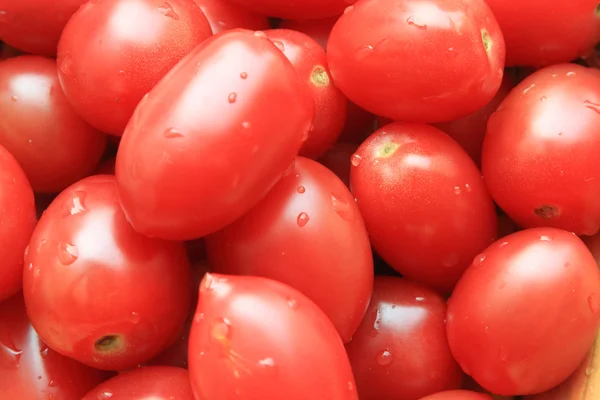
(400,351)
(337,159)
(318,29)
(29,369)
(303,9)
(458,395)
(223,16)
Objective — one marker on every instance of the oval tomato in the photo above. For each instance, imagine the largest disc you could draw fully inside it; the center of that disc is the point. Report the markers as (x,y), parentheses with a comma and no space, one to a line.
(255,338)
(223,15)
(112,52)
(458,395)
(91,283)
(424,203)
(540,152)
(175,138)
(305,9)
(318,29)
(310,224)
(512,343)
(400,351)
(417,61)
(53,145)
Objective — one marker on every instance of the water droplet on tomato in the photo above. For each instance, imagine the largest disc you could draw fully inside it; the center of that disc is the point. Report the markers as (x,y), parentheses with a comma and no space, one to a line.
(363,52)
(260,34)
(292,303)
(456,189)
(66,66)
(172,133)
(451,260)
(267,362)
(67,253)
(420,299)
(198,317)
(302,219)
(43,349)
(571,73)
(3,16)
(355,160)
(135,317)
(51,383)
(545,238)
(384,358)
(543,98)
(221,330)
(350,385)
(589,371)
(478,260)
(232,97)
(9,354)
(244,75)
(348,9)
(105,395)
(167,10)
(300,189)
(279,44)
(14,98)
(342,207)
(30,267)
(26,252)
(468,187)
(77,203)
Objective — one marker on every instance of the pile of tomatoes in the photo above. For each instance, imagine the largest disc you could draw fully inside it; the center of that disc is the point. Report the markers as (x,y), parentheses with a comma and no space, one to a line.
(299,199)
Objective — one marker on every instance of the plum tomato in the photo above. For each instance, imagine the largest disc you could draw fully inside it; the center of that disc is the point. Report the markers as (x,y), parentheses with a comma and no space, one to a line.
(223,15)
(53,145)
(112,52)
(34,26)
(18,220)
(536,315)
(541,32)
(458,395)
(91,283)
(29,370)
(175,180)
(540,153)
(400,351)
(256,339)
(303,9)
(310,61)
(424,202)
(337,159)
(318,29)
(307,233)
(417,61)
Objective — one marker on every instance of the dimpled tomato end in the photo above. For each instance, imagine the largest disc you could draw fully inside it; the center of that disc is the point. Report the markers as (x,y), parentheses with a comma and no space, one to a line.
(547,211)
(487,41)
(319,76)
(597,10)
(387,150)
(109,344)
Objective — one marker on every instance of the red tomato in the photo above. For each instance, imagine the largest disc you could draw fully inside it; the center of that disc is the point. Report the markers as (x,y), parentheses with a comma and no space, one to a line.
(512,343)
(16,225)
(400,351)
(424,202)
(29,370)
(310,61)
(458,395)
(540,154)
(53,145)
(112,52)
(222,16)
(417,61)
(96,290)
(303,9)
(156,383)
(310,223)
(184,173)
(35,26)
(257,339)
(318,29)
(337,159)
(538,32)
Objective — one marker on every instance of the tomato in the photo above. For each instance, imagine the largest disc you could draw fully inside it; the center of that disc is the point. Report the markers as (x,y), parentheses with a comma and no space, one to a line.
(540,152)
(156,383)
(36,116)
(538,32)
(310,223)
(417,61)
(222,16)
(514,344)
(255,338)
(400,351)
(337,159)
(310,61)
(182,171)
(35,26)
(318,29)
(304,9)
(424,202)
(112,52)
(458,395)
(17,223)
(96,290)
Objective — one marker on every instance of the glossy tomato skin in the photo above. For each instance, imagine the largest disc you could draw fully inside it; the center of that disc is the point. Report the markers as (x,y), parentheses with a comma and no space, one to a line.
(310,61)
(310,224)
(223,15)
(512,343)
(91,283)
(233,160)
(458,395)
(304,9)
(337,159)
(156,383)
(400,351)
(418,61)
(112,52)
(54,146)
(424,203)
(539,33)
(29,370)
(318,29)
(18,220)
(257,339)
(540,152)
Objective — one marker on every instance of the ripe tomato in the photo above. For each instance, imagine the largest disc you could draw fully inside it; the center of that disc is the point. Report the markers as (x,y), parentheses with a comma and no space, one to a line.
(91,283)
(53,145)
(417,61)
(309,223)
(458,395)
(256,339)
(400,351)
(538,32)
(112,52)
(337,159)
(175,139)
(35,26)
(16,224)
(155,383)
(540,152)
(318,29)
(223,15)
(29,370)
(514,344)
(304,9)
(425,206)
(310,61)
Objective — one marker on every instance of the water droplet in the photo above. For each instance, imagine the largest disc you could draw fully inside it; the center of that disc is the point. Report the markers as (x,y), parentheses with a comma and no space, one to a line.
(342,207)
(39,377)
(279,45)
(350,386)
(479,259)
(135,317)
(107,394)
(77,203)
(210,282)
(363,52)
(376,323)
(355,160)
(589,371)
(14,98)
(594,303)
(26,252)
(199,317)
(411,21)
(244,75)
(592,106)
(302,219)
(51,383)
(232,97)
(420,299)
(67,253)
(300,189)
(292,303)
(12,354)
(468,187)
(168,11)
(267,362)
(384,358)
(571,73)
(260,34)
(529,88)
(43,349)
(456,189)
(348,9)
(221,330)
(172,133)
(543,98)
(545,238)
(66,66)
(451,260)
(3,16)
(486,329)
(30,267)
